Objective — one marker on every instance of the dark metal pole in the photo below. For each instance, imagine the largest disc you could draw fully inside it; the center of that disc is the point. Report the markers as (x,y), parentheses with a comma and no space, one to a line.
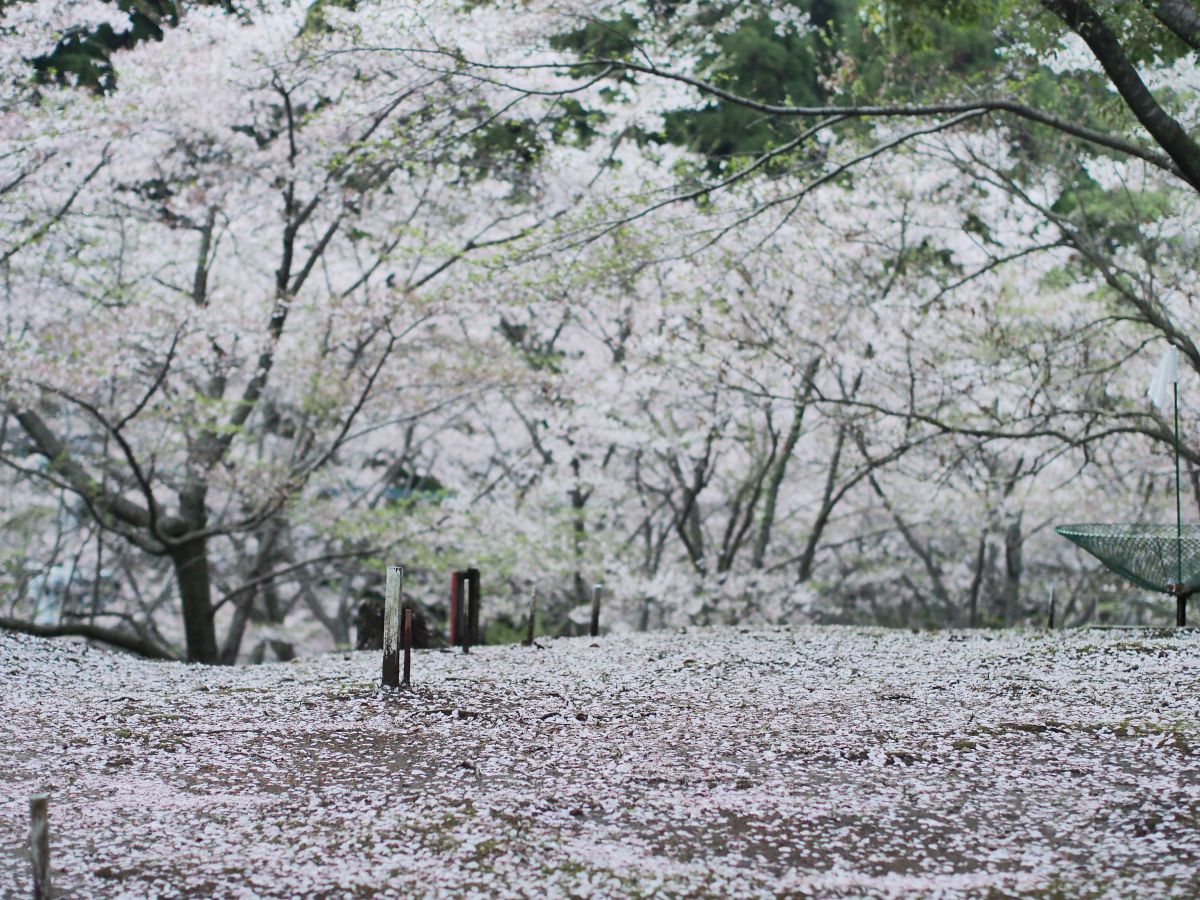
(406,628)
(1178,505)
(455,601)
(594,630)
(473,605)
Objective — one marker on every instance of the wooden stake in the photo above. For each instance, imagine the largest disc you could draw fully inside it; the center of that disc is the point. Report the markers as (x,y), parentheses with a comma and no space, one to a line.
(473,605)
(407,631)
(528,642)
(464,614)
(596,589)
(39,844)
(393,596)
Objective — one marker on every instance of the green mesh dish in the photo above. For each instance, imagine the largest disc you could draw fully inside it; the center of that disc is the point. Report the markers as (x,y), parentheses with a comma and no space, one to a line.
(1151,556)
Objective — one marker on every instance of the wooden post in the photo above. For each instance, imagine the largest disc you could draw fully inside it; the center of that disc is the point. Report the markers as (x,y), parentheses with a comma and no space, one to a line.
(464,611)
(528,642)
(39,845)
(461,617)
(393,596)
(406,628)
(473,605)
(596,589)
(452,627)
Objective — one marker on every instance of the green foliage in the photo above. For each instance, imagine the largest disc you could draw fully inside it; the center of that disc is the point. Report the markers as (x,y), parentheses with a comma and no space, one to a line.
(506,144)
(315,21)
(849,51)
(917,23)
(503,630)
(601,39)
(511,148)
(1116,216)
(758,62)
(84,56)
(920,31)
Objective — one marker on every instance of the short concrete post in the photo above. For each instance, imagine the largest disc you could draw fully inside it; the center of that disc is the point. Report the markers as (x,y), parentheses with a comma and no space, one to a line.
(393,596)
(39,844)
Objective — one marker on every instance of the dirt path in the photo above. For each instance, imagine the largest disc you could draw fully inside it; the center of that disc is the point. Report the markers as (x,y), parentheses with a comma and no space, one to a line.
(822,761)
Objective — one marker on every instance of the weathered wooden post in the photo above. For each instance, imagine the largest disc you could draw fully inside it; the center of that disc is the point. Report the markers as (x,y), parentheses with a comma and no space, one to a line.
(393,596)
(461,616)
(596,589)
(473,605)
(528,642)
(39,844)
(406,627)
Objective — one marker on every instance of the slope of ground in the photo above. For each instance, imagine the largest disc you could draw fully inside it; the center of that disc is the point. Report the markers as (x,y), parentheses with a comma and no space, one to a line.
(814,761)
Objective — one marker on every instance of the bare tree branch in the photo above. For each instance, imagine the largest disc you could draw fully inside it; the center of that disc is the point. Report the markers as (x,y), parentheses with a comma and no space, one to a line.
(125,641)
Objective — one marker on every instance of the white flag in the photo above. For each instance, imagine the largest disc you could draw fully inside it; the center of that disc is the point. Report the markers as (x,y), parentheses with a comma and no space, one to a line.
(1167,375)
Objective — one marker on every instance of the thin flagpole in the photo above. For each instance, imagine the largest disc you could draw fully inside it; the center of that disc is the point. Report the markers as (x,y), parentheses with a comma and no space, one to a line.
(1178,506)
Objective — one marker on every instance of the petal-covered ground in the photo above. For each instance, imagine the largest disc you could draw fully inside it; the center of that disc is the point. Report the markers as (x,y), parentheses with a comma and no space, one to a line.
(814,761)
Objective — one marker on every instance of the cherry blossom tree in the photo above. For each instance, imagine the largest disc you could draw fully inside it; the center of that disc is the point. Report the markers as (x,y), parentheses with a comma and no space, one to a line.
(217,308)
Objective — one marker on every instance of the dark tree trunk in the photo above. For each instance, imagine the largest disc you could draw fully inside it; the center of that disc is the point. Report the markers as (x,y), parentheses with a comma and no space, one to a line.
(808,557)
(237,630)
(579,499)
(1013,567)
(1082,18)
(779,467)
(195,594)
(977,580)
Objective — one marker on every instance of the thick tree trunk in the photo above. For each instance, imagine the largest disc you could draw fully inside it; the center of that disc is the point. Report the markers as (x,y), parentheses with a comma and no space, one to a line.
(579,500)
(1013,568)
(237,629)
(1082,18)
(779,467)
(808,557)
(1180,17)
(977,581)
(195,595)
